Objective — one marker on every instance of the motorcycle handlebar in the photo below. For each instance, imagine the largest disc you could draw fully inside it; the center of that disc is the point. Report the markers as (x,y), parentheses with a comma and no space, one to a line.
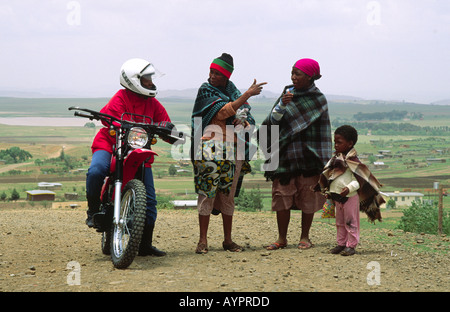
(163,131)
(83,115)
(94,115)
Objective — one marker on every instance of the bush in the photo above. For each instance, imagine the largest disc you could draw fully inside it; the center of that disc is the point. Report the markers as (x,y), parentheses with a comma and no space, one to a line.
(164,202)
(172,170)
(250,202)
(422,217)
(14,195)
(391,204)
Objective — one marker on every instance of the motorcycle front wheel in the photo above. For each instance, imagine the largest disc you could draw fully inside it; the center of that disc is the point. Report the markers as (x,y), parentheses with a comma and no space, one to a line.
(126,235)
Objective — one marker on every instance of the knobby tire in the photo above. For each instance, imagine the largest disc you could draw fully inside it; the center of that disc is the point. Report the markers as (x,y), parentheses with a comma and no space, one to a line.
(134,195)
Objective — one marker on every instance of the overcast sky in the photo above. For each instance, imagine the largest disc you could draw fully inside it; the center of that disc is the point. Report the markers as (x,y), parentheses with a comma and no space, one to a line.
(386,49)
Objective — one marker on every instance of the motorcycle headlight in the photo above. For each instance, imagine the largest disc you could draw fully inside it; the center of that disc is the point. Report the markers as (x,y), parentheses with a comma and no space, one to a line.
(137,137)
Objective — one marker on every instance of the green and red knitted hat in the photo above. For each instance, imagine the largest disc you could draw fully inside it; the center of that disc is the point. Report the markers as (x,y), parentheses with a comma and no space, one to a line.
(223,64)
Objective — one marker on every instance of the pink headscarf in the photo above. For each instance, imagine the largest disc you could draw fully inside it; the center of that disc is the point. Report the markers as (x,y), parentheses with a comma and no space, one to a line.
(309,67)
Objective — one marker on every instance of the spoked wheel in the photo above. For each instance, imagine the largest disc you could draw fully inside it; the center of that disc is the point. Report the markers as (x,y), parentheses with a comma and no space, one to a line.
(126,235)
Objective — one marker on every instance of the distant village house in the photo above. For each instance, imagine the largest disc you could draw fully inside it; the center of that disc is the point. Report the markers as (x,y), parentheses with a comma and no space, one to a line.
(49,186)
(380,165)
(40,195)
(71,196)
(436,160)
(402,199)
(185,204)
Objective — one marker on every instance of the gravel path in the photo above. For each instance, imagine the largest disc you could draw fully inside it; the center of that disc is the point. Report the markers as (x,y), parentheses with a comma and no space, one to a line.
(40,248)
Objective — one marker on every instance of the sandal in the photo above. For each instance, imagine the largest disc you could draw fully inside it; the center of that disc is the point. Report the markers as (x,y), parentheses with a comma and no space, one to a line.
(233,247)
(202,248)
(305,245)
(276,246)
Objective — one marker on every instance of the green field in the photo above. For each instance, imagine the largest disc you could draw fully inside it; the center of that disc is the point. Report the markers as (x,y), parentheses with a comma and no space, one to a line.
(180,109)
(407,166)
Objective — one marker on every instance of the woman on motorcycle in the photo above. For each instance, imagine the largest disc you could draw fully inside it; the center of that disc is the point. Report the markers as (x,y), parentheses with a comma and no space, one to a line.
(138,97)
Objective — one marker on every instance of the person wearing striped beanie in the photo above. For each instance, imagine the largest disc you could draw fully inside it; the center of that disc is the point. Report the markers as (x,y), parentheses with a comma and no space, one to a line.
(223,64)
(218,179)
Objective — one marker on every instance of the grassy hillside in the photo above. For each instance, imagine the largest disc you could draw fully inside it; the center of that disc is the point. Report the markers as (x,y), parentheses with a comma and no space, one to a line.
(407,167)
(180,109)
(45,107)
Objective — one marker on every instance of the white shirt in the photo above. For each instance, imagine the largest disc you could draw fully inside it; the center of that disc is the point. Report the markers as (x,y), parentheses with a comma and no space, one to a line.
(347,179)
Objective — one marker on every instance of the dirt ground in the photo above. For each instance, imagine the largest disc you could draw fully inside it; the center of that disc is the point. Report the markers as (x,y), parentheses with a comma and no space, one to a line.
(41,248)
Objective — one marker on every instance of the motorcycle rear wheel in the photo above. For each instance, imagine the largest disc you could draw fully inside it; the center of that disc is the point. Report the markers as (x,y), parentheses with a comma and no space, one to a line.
(126,236)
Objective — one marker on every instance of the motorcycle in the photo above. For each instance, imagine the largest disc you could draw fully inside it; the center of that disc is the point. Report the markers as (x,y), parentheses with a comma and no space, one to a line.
(122,213)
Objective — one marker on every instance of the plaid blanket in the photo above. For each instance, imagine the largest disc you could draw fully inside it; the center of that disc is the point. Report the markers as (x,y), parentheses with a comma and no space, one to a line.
(304,136)
(369,193)
(210,100)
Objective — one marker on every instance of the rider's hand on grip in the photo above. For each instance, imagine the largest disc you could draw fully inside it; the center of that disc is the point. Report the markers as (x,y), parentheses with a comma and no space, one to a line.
(167,131)
(166,125)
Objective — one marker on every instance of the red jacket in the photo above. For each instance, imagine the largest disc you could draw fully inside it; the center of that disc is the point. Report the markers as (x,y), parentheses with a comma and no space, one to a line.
(127,101)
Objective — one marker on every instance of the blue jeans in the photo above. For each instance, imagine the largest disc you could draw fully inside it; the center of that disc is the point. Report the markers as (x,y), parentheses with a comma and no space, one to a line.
(97,173)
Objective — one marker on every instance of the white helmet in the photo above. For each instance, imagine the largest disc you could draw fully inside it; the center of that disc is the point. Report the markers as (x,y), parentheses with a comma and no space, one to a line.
(133,71)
